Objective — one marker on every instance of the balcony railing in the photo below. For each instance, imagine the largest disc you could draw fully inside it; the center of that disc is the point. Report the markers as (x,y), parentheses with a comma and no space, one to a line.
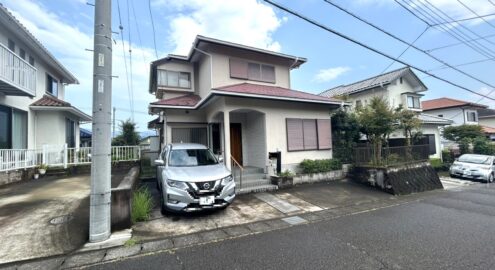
(18,77)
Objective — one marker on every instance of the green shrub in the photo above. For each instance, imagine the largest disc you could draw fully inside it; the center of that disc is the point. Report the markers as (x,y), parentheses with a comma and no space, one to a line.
(482,146)
(393,158)
(320,165)
(464,146)
(447,156)
(286,173)
(142,203)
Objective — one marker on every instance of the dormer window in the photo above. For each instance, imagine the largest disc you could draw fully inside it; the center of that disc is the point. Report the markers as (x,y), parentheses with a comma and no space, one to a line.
(241,69)
(413,102)
(175,79)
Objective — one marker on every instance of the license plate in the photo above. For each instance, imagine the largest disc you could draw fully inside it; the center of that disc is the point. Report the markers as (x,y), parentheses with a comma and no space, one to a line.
(208,200)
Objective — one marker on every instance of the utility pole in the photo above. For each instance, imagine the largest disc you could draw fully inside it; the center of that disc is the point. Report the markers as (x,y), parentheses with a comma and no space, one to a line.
(113,123)
(100,197)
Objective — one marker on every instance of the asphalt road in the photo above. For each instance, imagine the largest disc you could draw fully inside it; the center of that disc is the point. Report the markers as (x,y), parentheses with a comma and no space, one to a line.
(454,229)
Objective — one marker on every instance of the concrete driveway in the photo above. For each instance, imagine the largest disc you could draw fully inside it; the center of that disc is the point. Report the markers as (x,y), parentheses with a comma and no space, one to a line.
(257,207)
(27,211)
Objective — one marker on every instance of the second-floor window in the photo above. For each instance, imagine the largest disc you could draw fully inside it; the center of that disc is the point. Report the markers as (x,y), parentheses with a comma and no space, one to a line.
(359,104)
(241,69)
(22,54)
(177,79)
(51,85)
(413,102)
(11,45)
(471,116)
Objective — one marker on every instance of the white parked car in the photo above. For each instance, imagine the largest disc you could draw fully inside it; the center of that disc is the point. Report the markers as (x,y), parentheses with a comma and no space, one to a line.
(479,167)
(191,178)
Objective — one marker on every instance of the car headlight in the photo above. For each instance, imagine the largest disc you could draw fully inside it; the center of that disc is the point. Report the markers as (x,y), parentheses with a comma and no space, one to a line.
(227,180)
(176,184)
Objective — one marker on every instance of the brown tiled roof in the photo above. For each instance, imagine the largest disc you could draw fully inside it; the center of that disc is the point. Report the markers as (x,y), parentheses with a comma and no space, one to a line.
(189,100)
(488,130)
(50,101)
(272,91)
(441,103)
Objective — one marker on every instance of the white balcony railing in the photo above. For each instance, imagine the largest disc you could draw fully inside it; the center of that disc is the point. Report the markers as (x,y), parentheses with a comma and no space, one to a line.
(16,72)
(60,155)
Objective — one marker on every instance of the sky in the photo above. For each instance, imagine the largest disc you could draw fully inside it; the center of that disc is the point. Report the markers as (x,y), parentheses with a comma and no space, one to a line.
(65,27)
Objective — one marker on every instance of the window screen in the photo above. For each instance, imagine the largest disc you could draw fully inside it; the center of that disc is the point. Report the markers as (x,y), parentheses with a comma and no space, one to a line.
(19,129)
(309,132)
(242,69)
(295,137)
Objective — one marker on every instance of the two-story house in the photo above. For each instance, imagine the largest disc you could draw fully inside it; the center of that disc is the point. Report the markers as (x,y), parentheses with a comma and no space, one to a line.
(33,112)
(238,100)
(459,111)
(399,87)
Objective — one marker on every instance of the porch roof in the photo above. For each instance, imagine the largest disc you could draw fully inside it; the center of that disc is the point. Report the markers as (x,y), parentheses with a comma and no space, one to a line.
(51,103)
(246,90)
(432,119)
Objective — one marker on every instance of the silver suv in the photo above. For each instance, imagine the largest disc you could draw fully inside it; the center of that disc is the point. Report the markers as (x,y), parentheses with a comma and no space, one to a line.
(191,178)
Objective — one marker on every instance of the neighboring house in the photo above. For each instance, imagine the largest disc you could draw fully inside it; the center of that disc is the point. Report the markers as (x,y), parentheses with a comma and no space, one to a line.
(33,112)
(486,117)
(150,143)
(238,100)
(85,137)
(459,111)
(397,87)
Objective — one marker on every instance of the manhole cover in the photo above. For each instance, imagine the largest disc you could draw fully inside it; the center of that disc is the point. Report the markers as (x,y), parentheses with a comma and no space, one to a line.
(61,219)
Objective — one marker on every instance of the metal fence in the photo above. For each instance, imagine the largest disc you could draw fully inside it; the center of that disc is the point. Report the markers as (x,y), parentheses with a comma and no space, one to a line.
(56,155)
(391,155)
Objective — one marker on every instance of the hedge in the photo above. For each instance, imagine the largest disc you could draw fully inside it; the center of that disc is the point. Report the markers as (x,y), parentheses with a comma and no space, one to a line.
(320,165)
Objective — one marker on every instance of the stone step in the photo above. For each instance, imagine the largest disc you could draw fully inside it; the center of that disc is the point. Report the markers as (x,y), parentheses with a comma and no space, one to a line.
(252,183)
(251,176)
(261,188)
(250,170)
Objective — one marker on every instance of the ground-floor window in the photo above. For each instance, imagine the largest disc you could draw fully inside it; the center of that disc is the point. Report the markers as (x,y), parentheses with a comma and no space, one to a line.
(13,128)
(308,134)
(190,135)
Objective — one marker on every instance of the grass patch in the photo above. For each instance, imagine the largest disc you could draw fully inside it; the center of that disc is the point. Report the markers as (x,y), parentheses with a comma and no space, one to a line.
(131,242)
(142,203)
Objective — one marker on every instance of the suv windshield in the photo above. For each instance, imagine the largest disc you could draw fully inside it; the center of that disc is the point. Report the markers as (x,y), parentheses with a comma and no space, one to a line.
(191,157)
(475,159)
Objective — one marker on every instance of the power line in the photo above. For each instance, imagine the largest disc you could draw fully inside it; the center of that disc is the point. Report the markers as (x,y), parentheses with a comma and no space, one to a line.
(410,45)
(461,25)
(328,29)
(123,51)
(442,28)
(130,60)
(458,43)
(435,16)
(463,64)
(475,13)
(153,28)
(138,31)
(467,19)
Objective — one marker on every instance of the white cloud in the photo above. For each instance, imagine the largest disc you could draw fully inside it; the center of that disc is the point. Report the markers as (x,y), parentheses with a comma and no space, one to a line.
(247,22)
(329,74)
(452,8)
(68,44)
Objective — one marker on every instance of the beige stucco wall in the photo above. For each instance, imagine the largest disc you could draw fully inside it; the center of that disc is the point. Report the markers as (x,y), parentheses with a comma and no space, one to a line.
(50,128)
(274,121)
(489,122)
(221,71)
(182,66)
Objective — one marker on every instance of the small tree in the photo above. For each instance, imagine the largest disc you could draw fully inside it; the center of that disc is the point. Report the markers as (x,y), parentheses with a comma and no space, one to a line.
(458,133)
(409,122)
(377,121)
(129,136)
(482,146)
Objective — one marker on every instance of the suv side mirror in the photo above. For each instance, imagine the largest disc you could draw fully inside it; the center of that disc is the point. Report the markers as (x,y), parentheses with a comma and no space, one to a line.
(220,159)
(159,162)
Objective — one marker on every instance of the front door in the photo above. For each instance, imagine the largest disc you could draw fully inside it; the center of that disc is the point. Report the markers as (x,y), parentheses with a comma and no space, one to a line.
(236,142)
